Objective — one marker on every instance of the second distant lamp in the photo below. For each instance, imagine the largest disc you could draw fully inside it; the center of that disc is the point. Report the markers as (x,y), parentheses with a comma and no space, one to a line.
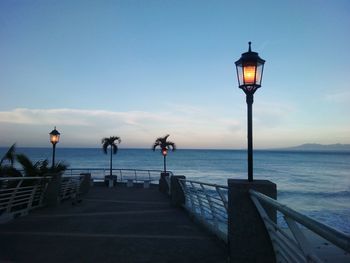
(54,139)
(249,72)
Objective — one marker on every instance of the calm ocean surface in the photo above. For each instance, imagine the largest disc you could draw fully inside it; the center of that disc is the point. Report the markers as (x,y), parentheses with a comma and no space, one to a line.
(314,183)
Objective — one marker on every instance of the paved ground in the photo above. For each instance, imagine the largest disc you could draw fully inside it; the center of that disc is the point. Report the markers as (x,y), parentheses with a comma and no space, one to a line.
(110,225)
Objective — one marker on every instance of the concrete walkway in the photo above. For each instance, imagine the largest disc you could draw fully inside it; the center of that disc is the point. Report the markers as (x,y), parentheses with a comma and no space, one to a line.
(110,225)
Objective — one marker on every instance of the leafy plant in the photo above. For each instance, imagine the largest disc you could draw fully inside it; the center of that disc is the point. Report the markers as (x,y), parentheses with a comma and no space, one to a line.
(7,162)
(164,145)
(112,142)
(39,168)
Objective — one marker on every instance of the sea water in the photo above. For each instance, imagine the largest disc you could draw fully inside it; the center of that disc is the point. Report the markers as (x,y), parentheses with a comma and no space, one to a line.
(314,183)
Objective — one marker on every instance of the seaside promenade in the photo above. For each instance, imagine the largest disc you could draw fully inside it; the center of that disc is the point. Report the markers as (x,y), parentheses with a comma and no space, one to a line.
(110,225)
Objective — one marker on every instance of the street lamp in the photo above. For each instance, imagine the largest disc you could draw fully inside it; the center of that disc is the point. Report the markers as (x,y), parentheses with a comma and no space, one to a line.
(249,73)
(164,153)
(54,139)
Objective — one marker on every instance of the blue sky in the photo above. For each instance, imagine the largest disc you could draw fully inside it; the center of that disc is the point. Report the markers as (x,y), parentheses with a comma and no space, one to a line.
(143,69)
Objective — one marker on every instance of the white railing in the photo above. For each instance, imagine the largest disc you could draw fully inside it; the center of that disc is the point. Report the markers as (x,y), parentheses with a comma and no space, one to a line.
(295,247)
(208,204)
(137,175)
(70,186)
(19,195)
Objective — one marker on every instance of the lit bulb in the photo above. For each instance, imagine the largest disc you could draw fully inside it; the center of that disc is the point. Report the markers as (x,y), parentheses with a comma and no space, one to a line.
(249,74)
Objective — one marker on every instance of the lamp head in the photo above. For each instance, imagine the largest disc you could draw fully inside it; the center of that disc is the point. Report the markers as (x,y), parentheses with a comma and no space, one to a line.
(54,136)
(249,71)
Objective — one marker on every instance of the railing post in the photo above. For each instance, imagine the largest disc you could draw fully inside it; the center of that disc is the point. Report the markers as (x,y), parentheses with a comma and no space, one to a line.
(177,197)
(212,208)
(222,196)
(199,200)
(31,199)
(13,196)
(248,238)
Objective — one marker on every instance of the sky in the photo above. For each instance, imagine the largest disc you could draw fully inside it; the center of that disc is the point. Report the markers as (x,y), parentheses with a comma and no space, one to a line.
(143,69)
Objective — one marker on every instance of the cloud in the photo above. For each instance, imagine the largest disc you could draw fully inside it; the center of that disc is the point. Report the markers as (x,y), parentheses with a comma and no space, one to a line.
(189,126)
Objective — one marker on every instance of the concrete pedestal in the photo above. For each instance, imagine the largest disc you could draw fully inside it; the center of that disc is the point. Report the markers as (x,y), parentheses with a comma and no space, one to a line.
(86,183)
(52,193)
(177,195)
(129,183)
(163,185)
(111,181)
(249,240)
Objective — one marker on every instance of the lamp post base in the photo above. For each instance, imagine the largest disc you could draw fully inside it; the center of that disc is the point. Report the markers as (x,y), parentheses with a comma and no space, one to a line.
(248,238)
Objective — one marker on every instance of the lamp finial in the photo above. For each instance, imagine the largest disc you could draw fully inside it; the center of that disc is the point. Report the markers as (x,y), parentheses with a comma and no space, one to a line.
(250,49)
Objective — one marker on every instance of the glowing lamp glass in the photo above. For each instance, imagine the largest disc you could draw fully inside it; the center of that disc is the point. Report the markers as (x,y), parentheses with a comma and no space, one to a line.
(164,152)
(249,73)
(54,136)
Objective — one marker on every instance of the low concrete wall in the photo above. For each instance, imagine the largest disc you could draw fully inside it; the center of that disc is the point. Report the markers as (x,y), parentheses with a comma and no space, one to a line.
(248,238)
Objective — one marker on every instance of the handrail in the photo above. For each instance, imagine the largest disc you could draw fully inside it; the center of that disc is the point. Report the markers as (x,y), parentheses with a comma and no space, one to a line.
(115,169)
(122,173)
(26,178)
(208,204)
(18,198)
(332,235)
(208,184)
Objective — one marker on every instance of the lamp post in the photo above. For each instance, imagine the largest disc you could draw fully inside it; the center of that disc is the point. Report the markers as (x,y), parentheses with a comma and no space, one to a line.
(164,153)
(54,139)
(249,73)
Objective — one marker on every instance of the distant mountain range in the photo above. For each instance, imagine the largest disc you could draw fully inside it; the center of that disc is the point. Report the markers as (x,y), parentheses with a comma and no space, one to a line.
(319,147)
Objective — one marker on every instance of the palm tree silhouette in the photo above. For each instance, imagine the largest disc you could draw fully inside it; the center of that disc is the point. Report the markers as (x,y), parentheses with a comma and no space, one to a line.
(9,156)
(164,145)
(113,142)
(7,168)
(39,168)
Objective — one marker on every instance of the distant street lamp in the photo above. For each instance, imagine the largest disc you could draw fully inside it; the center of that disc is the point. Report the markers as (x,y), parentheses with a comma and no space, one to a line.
(54,139)
(249,72)
(164,153)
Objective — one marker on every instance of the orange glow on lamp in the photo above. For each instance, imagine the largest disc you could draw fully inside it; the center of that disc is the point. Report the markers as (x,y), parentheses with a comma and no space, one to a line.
(164,152)
(249,74)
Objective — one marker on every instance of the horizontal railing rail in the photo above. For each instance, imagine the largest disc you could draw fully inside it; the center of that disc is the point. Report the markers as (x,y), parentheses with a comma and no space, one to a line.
(19,195)
(137,175)
(208,204)
(295,247)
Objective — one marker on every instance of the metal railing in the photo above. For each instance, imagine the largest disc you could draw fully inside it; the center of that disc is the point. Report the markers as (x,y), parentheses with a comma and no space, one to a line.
(19,195)
(70,186)
(295,247)
(208,204)
(137,175)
